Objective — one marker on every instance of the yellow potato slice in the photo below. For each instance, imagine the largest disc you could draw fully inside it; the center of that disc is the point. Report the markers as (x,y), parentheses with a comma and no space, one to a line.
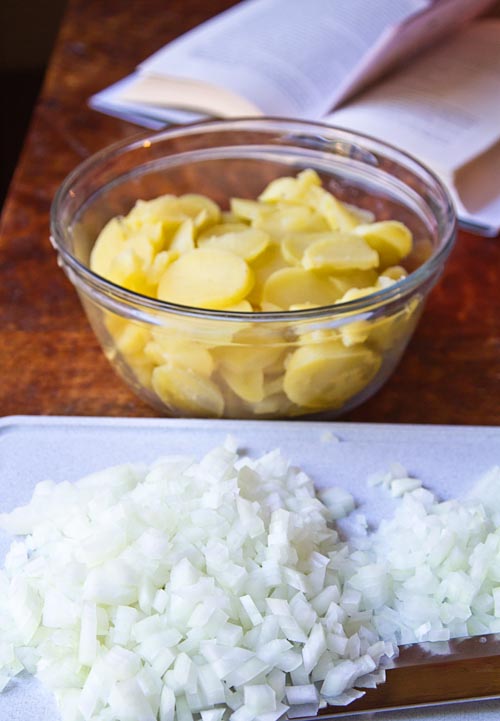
(159,265)
(201,209)
(244,209)
(248,385)
(344,281)
(243,359)
(283,218)
(338,215)
(395,272)
(329,374)
(127,271)
(275,405)
(180,352)
(187,393)
(141,368)
(355,332)
(147,242)
(269,262)
(183,239)
(230,226)
(132,339)
(293,246)
(161,209)
(315,337)
(242,307)
(172,210)
(356,293)
(227,217)
(109,243)
(391,239)
(338,251)
(289,188)
(246,242)
(206,278)
(292,286)
(392,332)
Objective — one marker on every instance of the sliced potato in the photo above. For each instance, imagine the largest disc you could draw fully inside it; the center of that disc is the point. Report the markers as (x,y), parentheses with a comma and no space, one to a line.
(206,278)
(187,393)
(109,243)
(338,251)
(292,286)
(391,239)
(328,374)
(248,243)
(180,352)
(269,262)
(183,238)
(249,386)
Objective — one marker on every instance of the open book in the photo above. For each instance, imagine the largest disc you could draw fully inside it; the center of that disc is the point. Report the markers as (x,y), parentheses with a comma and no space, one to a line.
(416,73)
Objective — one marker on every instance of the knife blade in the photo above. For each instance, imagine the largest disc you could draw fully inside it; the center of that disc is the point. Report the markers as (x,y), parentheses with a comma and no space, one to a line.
(432,673)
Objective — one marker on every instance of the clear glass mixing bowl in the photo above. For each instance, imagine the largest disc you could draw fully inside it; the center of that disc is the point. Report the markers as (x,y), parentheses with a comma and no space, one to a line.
(316,362)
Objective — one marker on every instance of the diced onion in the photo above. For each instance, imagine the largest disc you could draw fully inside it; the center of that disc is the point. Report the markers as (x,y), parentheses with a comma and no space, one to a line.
(220,589)
(182,588)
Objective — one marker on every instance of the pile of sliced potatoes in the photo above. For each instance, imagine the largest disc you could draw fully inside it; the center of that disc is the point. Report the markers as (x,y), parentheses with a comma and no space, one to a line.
(295,247)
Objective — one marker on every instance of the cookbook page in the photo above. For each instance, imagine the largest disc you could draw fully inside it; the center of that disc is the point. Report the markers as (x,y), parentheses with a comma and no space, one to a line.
(443,108)
(283,56)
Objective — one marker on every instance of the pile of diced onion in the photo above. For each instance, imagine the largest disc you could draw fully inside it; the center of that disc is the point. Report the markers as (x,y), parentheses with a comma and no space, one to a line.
(219,588)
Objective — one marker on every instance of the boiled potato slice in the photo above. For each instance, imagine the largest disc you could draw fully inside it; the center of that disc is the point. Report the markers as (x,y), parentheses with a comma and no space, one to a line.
(244,209)
(329,374)
(246,242)
(289,188)
(147,242)
(242,307)
(269,262)
(201,209)
(109,243)
(226,226)
(183,239)
(391,239)
(127,271)
(165,208)
(344,281)
(159,265)
(180,352)
(295,245)
(277,404)
(187,393)
(395,272)
(355,332)
(248,385)
(206,278)
(292,286)
(172,210)
(243,359)
(132,339)
(338,251)
(283,218)
(337,215)
(142,369)
(393,331)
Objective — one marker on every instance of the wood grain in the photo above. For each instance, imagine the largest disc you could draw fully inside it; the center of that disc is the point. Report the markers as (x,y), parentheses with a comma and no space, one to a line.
(50,362)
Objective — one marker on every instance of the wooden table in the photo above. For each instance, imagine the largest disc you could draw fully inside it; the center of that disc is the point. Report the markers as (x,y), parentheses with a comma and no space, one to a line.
(50,362)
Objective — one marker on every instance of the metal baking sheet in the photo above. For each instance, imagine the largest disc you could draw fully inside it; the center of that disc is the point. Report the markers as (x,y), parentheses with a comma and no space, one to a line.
(448,459)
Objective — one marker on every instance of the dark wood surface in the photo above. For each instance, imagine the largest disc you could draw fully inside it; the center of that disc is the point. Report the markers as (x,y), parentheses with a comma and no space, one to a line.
(50,362)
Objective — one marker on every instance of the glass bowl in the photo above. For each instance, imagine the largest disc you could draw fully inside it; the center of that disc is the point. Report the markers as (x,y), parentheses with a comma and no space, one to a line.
(314,362)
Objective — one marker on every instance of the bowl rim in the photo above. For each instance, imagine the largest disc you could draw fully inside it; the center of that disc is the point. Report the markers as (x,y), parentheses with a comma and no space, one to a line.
(384,297)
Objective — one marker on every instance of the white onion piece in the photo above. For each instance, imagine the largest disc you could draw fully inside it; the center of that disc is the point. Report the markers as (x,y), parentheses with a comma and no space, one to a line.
(431,572)
(183,589)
